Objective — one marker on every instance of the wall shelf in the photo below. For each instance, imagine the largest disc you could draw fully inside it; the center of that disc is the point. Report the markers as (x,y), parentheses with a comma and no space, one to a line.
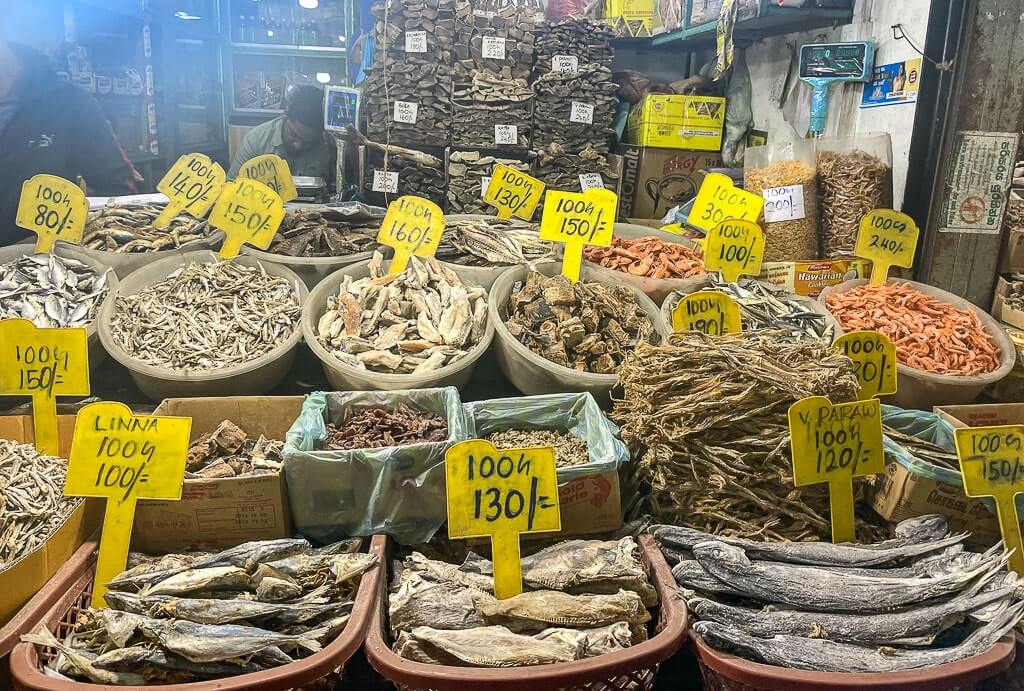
(770,21)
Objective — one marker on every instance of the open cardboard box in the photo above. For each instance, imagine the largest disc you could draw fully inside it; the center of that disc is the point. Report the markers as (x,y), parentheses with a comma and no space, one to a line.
(221,512)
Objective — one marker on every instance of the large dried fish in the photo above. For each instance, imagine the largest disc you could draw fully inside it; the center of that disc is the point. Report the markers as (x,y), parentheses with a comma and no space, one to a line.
(495,36)
(486,646)
(575,109)
(324,233)
(50,291)
(537,610)
(468,174)
(129,228)
(561,170)
(587,40)
(486,102)
(492,242)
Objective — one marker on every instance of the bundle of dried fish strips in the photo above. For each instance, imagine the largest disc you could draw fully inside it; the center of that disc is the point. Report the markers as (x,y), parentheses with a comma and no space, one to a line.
(571,44)
(378,426)
(570,450)
(228,451)
(487,104)
(253,607)
(324,233)
(492,242)
(496,37)
(574,109)
(129,228)
(469,173)
(586,326)
(51,291)
(32,499)
(919,598)
(207,316)
(417,321)
(561,170)
(707,420)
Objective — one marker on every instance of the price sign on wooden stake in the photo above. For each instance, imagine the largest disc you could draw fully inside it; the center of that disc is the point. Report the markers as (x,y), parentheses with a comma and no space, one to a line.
(708,312)
(502,495)
(578,220)
(513,193)
(192,185)
(249,213)
(887,238)
(413,227)
(124,457)
(734,248)
(874,361)
(272,171)
(54,209)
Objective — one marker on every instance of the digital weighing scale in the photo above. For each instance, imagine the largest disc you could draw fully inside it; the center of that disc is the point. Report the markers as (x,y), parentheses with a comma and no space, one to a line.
(824,64)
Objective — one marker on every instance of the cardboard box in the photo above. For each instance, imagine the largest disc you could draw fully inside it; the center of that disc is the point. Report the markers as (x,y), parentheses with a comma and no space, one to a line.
(1010,389)
(590,504)
(810,278)
(1012,255)
(675,121)
(1001,310)
(23,579)
(655,180)
(221,512)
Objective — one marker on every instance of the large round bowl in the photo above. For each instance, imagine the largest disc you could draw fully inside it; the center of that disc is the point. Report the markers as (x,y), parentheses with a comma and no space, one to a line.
(922,390)
(258,376)
(345,377)
(481,275)
(533,374)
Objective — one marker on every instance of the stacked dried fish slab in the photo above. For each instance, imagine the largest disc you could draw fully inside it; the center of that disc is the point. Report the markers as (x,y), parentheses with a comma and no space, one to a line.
(583,598)
(400,24)
(129,228)
(414,322)
(418,173)
(206,316)
(467,173)
(560,170)
(574,109)
(582,38)
(707,420)
(428,86)
(194,617)
(915,601)
(51,291)
(486,104)
(324,233)
(228,451)
(492,242)
(494,36)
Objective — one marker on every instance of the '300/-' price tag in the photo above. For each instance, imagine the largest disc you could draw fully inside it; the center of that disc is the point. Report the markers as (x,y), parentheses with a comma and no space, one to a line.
(412,226)
(578,220)
(54,209)
(719,200)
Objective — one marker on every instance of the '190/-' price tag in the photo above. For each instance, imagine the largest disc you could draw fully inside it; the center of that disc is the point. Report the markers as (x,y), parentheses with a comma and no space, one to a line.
(512,192)
(412,226)
(708,312)
(249,213)
(415,41)
(874,361)
(274,172)
(192,185)
(54,209)
(887,238)
(719,200)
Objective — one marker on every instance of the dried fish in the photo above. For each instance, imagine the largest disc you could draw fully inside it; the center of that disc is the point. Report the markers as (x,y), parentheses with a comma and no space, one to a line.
(228,452)
(585,39)
(485,646)
(421,175)
(534,611)
(374,427)
(648,256)
(325,233)
(923,449)
(570,450)
(50,291)
(575,109)
(561,170)
(129,228)
(494,36)
(467,173)
(492,242)
(850,184)
(487,101)
(207,316)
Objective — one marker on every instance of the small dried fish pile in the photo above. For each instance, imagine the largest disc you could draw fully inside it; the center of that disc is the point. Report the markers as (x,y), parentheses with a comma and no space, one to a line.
(415,173)
(929,334)
(914,601)
(487,108)
(31,498)
(583,598)
(417,321)
(194,617)
(428,86)
(229,452)
(468,172)
(707,419)
(648,256)
(574,109)
(130,228)
(492,242)
(561,171)
(50,291)
(849,186)
(376,427)
(586,326)
(207,316)
(1015,297)
(582,38)
(323,233)
(570,450)
(923,449)
(494,36)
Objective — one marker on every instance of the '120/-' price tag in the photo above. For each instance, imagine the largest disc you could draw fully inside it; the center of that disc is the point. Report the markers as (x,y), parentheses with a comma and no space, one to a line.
(578,220)
(249,213)
(513,193)
(719,200)
(412,226)
(192,185)
(54,209)
(887,238)
(874,361)
(708,312)
(274,172)
(734,248)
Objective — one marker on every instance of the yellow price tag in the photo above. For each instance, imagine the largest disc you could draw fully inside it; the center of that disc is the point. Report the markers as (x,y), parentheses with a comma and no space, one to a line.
(707,311)
(413,227)
(501,494)
(513,193)
(54,209)
(192,185)
(874,361)
(124,457)
(578,219)
(43,364)
(272,171)
(248,212)
(734,248)
(719,200)
(834,444)
(887,238)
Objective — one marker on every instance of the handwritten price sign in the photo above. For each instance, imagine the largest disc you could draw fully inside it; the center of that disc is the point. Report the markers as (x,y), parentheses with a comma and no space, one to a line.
(272,171)
(734,248)
(834,444)
(54,209)
(718,200)
(501,494)
(192,185)
(874,361)
(708,312)
(413,227)
(992,465)
(887,238)
(124,457)
(249,213)
(578,220)
(513,193)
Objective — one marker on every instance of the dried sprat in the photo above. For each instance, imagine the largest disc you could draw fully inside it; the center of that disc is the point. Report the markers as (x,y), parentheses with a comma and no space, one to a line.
(129,228)
(324,233)
(374,427)
(849,186)
(228,451)
(207,316)
(792,240)
(492,242)
(50,291)
(648,256)
(570,450)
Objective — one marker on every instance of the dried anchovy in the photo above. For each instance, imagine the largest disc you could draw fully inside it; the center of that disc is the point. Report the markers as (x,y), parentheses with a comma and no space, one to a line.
(323,234)
(207,316)
(229,452)
(795,240)
(570,450)
(467,171)
(50,291)
(375,427)
(492,242)
(129,228)
(707,419)
(32,498)
(849,186)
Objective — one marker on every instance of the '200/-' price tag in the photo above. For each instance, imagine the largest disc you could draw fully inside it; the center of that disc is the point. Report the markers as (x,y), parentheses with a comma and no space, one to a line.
(54,209)
(513,193)
(412,226)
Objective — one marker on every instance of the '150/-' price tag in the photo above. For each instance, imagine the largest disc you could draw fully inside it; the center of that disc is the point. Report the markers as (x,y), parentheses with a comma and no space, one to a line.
(887,238)
(734,248)
(54,209)
(708,312)
(249,213)
(719,200)
(192,185)
(274,172)
(874,361)
(834,444)
(512,192)
(501,494)
(124,457)
(578,220)
(412,226)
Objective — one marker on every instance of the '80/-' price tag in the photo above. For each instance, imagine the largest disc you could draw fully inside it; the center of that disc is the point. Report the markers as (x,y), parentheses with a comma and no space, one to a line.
(578,220)
(249,213)
(708,312)
(513,193)
(412,226)
(274,172)
(887,238)
(192,185)
(54,209)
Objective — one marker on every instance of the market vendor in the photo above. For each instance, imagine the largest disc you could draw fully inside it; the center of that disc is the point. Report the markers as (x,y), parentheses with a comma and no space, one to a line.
(297,136)
(50,126)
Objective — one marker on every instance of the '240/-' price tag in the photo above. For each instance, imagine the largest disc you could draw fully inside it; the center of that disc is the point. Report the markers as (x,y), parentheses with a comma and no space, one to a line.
(412,226)
(249,213)
(887,238)
(54,209)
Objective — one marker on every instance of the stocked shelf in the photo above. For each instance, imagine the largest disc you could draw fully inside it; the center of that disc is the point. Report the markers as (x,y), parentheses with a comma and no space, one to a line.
(769,21)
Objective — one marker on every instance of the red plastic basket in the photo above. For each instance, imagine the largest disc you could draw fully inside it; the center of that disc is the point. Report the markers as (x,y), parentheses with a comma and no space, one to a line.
(632,669)
(320,670)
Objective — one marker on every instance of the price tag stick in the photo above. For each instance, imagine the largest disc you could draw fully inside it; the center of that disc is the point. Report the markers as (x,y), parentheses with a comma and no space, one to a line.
(502,495)
(513,193)
(886,238)
(192,185)
(874,361)
(54,209)
(412,227)
(124,457)
(578,220)
(734,248)
(274,172)
(249,212)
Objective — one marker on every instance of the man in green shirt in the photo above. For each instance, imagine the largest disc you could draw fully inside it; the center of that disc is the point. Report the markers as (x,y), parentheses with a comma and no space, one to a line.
(297,136)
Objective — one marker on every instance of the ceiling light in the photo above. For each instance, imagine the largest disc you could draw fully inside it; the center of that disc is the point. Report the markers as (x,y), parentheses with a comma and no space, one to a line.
(309,4)
(323,77)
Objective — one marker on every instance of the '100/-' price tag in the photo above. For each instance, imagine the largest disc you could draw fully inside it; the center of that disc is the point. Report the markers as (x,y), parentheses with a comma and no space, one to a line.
(734,248)
(708,312)
(578,220)
(274,172)
(412,226)
(887,238)
(719,200)
(192,185)
(54,209)
(874,361)
(512,192)
(249,213)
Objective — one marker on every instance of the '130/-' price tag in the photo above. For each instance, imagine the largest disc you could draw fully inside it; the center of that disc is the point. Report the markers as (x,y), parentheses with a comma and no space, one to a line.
(513,193)
(708,312)
(834,444)
(54,209)
(734,248)
(887,238)
(249,213)
(123,458)
(192,185)
(274,172)
(502,494)
(719,200)
(43,364)
(578,220)
(412,226)
(874,361)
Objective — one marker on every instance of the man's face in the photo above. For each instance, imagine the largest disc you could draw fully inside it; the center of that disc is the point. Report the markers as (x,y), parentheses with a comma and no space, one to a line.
(298,137)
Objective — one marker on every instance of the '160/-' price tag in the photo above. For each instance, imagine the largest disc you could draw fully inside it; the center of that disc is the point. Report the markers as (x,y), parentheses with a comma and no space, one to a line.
(887,238)
(874,361)
(249,213)
(54,209)
(192,185)
(708,312)
(412,226)
(719,200)
(578,220)
(734,248)
(274,172)
(512,192)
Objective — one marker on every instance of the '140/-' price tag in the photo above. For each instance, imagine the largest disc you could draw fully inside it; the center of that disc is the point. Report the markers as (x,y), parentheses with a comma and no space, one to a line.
(192,185)
(834,444)
(54,209)
(412,226)
(874,361)
(719,200)
(249,213)
(708,312)
(274,172)
(887,238)
(124,457)
(501,494)
(578,220)
(512,192)
(734,248)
